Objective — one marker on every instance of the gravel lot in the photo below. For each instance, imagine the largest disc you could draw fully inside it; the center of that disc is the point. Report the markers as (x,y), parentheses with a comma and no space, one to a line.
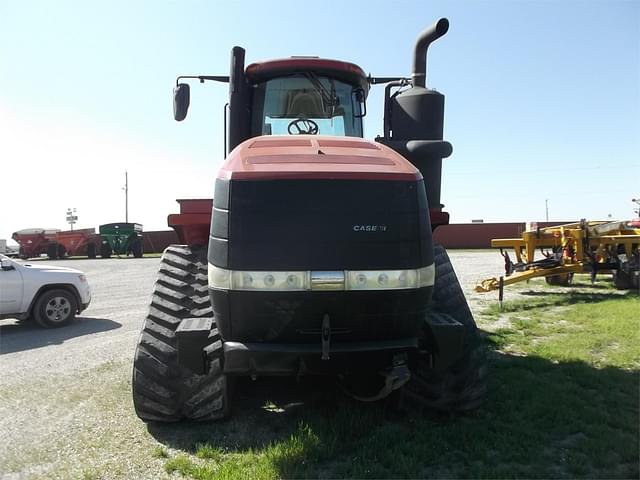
(65,401)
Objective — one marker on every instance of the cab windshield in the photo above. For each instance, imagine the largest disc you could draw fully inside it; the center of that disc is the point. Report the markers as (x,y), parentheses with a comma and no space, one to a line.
(307,103)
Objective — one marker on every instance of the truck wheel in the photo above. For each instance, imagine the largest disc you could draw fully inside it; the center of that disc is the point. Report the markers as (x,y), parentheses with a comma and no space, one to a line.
(91,250)
(55,308)
(61,251)
(105,250)
(462,386)
(136,248)
(52,251)
(162,390)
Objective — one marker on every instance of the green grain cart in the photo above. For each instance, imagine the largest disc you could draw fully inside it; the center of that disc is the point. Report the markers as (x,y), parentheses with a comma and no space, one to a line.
(121,239)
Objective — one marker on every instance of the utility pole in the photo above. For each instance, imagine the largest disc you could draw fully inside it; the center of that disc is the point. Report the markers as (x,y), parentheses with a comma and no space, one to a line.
(126,197)
(546,207)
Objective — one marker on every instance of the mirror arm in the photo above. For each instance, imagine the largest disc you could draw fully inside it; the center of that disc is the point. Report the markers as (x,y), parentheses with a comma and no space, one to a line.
(378,80)
(202,78)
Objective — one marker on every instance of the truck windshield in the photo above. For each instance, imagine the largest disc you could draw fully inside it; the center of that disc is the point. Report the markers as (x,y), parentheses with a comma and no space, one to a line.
(329,103)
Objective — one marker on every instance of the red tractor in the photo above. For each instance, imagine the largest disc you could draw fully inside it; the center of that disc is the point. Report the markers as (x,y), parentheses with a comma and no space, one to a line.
(316,255)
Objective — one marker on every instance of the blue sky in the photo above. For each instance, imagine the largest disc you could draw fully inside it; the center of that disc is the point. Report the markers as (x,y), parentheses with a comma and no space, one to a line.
(542,100)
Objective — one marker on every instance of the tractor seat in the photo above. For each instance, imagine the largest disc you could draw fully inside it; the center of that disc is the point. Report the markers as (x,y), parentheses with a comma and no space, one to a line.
(304,104)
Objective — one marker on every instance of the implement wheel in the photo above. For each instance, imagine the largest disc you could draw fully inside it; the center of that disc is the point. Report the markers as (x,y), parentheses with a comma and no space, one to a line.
(136,248)
(561,280)
(462,386)
(52,251)
(162,390)
(105,250)
(622,280)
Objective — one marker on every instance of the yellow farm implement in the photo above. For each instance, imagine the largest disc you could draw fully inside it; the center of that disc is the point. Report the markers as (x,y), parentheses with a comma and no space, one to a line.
(584,247)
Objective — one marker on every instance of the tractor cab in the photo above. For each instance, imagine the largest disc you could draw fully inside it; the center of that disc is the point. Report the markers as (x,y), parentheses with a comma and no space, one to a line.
(306,95)
(290,96)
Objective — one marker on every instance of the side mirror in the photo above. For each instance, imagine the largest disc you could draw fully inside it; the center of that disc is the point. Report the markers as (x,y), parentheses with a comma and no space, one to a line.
(6,264)
(181,98)
(358,101)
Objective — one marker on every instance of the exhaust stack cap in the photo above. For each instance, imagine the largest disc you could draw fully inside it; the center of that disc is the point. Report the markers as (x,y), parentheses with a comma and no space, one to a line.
(426,38)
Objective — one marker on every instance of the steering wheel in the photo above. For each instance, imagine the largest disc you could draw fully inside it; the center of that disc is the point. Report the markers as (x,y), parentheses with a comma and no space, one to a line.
(303,126)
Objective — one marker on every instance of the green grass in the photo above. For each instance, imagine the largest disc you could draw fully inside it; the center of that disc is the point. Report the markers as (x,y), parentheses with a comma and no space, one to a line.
(603,334)
(160,452)
(563,403)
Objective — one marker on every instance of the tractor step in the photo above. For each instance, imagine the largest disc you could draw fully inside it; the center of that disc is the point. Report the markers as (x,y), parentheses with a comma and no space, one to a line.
(192,336)
(447,339)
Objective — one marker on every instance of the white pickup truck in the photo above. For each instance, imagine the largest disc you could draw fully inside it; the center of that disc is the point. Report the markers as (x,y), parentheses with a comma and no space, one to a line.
(50,295)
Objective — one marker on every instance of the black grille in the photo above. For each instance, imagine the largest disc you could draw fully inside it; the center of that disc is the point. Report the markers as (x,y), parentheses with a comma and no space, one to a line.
(321,225)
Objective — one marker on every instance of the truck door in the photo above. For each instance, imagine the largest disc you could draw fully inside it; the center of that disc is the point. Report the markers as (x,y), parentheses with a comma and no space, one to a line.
(11,288)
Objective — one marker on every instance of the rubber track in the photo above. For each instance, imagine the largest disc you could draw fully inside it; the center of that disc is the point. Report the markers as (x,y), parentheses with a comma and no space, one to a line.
(162,391)
(463,386)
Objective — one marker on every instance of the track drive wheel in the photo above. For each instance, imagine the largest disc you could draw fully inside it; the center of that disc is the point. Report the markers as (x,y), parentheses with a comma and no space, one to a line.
(462,386)
(162,390)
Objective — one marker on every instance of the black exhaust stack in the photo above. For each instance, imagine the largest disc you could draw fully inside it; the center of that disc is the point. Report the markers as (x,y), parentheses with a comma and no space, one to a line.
(426,38)
(414,119)
(238,100)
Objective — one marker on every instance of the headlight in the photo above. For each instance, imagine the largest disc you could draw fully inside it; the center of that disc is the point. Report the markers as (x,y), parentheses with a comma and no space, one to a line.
(219,278)
(274,281)
(387,279)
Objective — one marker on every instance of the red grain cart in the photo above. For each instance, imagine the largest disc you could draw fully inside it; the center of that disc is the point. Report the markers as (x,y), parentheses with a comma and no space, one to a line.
(77,242)
(193,222)
(36,241)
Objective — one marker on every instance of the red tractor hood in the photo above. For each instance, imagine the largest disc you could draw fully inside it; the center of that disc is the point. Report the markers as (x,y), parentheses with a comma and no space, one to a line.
(315,157)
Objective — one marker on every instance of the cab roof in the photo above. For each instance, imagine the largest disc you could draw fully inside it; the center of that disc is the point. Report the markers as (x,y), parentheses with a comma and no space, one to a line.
(343,71)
